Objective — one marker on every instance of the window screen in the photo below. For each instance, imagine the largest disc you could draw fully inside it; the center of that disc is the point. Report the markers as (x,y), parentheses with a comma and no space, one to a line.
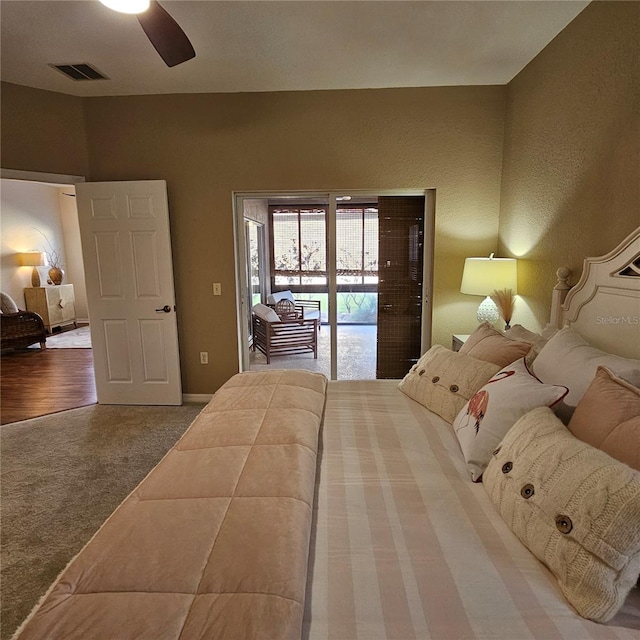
(357,245)
(299,246)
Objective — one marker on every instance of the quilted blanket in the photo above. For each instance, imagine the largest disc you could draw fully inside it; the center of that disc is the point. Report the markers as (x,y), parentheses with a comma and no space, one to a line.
(214,542)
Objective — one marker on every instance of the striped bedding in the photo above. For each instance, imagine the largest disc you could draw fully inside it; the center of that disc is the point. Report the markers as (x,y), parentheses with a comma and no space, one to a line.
(406,546)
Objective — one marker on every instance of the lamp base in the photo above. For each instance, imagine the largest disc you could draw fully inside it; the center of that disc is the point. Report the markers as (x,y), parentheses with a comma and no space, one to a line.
(35,277)
(488,311)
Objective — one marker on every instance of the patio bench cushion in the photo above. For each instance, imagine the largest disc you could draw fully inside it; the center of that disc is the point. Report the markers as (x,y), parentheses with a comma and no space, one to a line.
(266,313)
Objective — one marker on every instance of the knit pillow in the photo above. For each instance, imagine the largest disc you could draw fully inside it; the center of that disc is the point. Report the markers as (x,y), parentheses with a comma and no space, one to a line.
(443,380)
(488,344)
(608,417)
(490,413)
(576,508)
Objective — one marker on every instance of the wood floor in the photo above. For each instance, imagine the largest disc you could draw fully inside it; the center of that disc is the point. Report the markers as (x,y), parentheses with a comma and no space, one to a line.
(36,382)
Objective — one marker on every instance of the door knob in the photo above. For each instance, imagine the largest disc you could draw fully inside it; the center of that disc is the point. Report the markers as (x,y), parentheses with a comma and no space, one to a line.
(165,309)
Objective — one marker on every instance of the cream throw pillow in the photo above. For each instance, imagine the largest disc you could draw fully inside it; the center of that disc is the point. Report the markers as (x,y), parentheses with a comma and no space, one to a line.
(576,508)
(608,417)
(443,381)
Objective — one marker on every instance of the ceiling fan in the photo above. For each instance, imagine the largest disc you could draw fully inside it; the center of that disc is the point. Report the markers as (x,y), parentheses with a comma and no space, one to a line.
(164,33)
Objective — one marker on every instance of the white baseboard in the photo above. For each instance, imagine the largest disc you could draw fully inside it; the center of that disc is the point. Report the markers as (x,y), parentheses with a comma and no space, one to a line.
(196,397)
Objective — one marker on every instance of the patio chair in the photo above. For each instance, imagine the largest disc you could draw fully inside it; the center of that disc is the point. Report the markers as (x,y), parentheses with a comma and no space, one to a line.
(19,329)
(274,336)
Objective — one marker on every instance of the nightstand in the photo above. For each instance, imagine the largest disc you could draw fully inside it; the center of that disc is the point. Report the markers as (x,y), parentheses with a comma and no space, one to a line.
(457,340)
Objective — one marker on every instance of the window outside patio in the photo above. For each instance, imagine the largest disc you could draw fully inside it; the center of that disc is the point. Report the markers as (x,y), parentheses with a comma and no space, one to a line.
(298,242)
(299,258)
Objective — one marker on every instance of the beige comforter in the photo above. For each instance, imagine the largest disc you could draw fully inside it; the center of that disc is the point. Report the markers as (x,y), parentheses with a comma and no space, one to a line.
(214,542)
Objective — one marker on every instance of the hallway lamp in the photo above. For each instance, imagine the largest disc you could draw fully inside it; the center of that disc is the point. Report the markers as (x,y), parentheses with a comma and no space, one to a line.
(483,276)
(32,259)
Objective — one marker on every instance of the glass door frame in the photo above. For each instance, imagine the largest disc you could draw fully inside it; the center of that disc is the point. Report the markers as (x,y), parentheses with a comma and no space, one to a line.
(260,241)
(331,197)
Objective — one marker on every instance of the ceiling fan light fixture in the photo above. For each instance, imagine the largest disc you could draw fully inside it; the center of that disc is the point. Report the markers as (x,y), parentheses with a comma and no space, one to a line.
(127,6)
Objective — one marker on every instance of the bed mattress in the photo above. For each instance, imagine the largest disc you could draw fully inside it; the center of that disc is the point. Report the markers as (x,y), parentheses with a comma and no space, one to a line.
(405,546)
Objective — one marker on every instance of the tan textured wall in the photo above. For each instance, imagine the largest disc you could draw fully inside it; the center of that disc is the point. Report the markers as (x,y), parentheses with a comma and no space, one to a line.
(571,176)
(42,131)
(208,145)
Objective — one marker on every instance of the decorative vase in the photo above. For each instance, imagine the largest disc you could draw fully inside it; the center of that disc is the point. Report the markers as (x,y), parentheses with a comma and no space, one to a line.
(55,275)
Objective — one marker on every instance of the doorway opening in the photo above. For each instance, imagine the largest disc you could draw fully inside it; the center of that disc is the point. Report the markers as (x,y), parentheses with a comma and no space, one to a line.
(39,214)
(365,258)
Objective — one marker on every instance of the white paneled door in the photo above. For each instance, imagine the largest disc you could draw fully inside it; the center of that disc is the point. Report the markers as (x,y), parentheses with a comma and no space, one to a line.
(126,246)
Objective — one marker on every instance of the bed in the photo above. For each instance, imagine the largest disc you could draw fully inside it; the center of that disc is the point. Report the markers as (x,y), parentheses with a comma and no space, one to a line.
(406,546)
(375,516)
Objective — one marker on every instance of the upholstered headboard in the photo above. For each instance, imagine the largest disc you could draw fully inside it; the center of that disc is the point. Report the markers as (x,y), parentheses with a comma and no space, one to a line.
(604,307)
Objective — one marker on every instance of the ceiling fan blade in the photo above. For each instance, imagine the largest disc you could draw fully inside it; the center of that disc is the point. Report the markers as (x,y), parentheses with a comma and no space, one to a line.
(166,35)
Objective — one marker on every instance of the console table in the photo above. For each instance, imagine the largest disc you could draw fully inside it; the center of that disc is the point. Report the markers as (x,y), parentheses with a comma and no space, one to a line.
(56,304)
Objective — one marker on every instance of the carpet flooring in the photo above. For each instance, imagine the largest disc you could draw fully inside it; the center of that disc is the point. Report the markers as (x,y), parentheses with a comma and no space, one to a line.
(62,475)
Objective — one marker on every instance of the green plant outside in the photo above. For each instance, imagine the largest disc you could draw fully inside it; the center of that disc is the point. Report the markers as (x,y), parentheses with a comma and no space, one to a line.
(353,307)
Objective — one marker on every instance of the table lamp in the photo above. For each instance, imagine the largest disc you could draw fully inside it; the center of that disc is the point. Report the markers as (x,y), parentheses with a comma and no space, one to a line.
(32,259)
(482,276)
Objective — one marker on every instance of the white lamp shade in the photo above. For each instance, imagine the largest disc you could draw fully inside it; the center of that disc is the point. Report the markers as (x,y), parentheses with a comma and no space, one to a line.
(31,259)
(481,276)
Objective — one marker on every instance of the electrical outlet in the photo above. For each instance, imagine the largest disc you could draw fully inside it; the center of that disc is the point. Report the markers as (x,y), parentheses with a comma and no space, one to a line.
(204,357)
(217,288)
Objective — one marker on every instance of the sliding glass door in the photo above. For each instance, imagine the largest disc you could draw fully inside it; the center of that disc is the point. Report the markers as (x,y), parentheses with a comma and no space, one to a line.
(400,286)
(256,290)
(363,257)
(356,276)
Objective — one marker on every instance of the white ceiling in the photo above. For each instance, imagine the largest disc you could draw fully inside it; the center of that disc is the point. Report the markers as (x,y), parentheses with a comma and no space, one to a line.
(281,46)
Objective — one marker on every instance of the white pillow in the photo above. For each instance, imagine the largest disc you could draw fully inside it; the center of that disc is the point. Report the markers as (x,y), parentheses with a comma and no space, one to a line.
(7,303)
(266,313)
(485,420)
(570,360)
